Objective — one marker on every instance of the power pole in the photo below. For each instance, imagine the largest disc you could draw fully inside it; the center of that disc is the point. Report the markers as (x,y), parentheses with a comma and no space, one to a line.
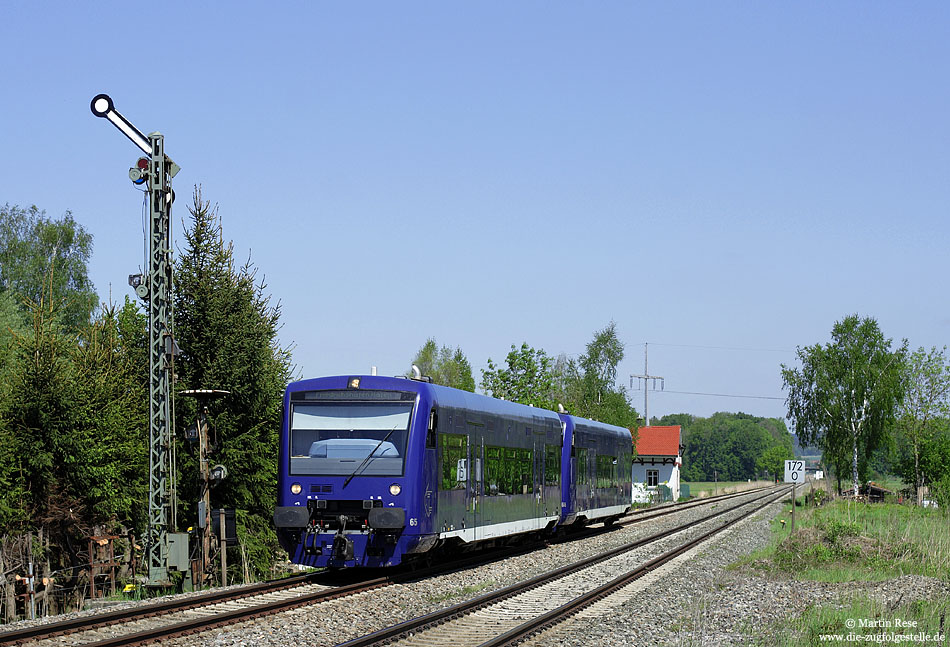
(156,171)
(646,386)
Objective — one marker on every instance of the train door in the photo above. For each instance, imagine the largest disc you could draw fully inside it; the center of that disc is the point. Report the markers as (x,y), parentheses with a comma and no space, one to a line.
(571,471)
(477,452)
(539,476)
(456,501)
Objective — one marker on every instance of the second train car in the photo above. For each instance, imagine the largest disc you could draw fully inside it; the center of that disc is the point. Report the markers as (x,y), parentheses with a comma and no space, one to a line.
(377,470)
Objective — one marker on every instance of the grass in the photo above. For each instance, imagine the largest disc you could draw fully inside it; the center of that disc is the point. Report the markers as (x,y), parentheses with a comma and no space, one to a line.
(845,541)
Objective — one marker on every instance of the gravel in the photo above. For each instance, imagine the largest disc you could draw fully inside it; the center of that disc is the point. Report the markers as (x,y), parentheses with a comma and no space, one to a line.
(337,621)
(696,600)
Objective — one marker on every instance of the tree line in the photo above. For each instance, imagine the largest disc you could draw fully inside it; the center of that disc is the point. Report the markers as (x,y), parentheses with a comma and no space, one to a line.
(74,393)
(732,446)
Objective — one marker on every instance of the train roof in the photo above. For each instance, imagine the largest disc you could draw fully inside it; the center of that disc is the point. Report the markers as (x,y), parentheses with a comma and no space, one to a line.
(602,427)
(443,395)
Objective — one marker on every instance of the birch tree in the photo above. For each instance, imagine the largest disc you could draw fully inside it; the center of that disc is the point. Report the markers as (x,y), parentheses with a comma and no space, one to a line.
(846,394)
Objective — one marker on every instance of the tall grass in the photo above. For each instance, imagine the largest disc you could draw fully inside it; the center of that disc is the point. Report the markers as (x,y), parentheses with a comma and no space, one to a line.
(846,541)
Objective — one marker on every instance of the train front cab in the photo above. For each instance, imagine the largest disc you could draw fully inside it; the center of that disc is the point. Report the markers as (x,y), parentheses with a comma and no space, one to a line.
(596,474)
(356,480)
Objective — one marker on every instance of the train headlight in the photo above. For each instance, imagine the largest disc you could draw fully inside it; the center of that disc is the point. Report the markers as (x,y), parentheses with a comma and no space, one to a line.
(395,489)
(296,489)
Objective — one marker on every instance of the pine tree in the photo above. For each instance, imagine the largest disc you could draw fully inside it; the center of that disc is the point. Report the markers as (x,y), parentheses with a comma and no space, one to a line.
(227,328)
(72,429)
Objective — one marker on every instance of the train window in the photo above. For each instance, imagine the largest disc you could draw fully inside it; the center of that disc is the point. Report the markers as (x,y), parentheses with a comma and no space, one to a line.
(433,424)
(507,471)
(525,471)
(454,457)
(494,471)
(581,465)
(552,465)
(606,471)
(330,438)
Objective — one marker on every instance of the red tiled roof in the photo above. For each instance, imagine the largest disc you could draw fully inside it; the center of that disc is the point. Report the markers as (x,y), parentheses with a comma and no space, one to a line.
(659,441)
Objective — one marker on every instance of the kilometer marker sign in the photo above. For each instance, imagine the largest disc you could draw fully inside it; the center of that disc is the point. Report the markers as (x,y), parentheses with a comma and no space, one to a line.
(795,471)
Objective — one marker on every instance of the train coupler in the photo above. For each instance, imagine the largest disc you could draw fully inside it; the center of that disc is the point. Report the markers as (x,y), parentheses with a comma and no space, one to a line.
(342,547)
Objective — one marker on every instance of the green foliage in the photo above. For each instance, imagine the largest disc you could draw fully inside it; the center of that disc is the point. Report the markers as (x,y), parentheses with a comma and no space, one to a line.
(844,541)
(836,529)
(599,362)
(12,324)
(445,366)
(772,460)
(227,331)
(45,259)
(37,411)
(940,490)
(73,424)
(591,385)
(110,414)
(527,378)
(836,616)
(934,464)
(734,446)
(683,420)
(74,405)
(846,394)
(923,416)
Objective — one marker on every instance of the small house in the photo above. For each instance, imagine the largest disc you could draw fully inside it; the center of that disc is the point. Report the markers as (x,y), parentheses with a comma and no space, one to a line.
(657,462)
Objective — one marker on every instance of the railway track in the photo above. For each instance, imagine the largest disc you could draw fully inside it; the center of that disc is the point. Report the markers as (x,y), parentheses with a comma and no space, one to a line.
(146,624)
(512,614)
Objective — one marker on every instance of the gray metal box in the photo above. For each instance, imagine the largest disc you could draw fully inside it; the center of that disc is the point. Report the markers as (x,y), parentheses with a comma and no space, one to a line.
(178,556)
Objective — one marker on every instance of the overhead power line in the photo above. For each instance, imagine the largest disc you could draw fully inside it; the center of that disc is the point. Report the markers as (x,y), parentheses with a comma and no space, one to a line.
(727,395)
(755,350)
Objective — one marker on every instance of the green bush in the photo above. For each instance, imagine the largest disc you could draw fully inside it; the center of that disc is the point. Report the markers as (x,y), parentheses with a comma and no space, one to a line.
(941,493)
(835,530)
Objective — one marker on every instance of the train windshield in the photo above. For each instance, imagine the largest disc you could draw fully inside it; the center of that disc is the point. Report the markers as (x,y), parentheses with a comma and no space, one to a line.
(338,438)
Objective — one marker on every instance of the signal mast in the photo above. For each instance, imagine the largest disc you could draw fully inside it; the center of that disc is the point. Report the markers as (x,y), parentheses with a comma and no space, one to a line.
(156,171)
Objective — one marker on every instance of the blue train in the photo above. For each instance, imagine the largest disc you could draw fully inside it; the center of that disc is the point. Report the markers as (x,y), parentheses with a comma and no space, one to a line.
(375,471)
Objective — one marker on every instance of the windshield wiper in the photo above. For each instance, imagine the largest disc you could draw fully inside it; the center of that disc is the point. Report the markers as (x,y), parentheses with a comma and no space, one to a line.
(366,460)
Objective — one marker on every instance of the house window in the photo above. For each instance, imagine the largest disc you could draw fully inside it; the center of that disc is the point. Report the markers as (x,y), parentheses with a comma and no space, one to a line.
(653,478)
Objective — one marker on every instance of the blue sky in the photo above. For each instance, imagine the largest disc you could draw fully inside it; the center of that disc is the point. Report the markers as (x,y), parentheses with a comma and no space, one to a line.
(722,180)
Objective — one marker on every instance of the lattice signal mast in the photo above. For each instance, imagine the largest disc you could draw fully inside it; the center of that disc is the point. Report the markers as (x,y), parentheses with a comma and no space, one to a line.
(156,172)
